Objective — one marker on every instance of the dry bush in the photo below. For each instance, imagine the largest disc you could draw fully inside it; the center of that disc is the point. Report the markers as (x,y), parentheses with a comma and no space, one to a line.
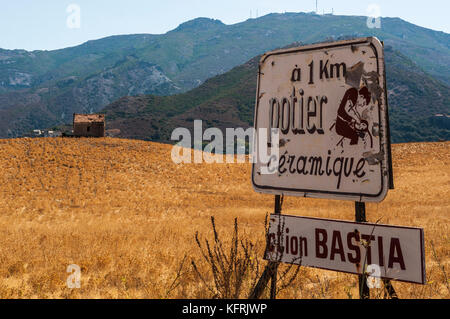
(230,268)
(236,273)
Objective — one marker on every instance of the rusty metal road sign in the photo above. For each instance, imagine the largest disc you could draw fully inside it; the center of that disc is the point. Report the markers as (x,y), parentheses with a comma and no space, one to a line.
(329,103)
(396,252)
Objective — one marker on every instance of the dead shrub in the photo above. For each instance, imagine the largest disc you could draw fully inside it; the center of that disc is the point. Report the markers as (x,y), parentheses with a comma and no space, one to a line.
(230,271)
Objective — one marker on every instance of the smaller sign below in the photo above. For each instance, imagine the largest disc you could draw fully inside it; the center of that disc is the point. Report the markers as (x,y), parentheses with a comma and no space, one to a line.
(392,252)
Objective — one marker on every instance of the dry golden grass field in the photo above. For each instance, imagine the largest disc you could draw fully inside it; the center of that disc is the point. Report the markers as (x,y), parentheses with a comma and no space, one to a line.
(127,215)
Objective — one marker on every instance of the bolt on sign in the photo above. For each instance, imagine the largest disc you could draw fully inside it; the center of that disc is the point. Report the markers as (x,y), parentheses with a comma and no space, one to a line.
(397,252)
(328,104)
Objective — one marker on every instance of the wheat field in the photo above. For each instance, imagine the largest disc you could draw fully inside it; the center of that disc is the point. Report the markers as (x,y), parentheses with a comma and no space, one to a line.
(127,215)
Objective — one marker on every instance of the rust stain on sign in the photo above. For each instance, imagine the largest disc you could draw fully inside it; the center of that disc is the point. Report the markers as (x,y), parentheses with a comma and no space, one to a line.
(376,129)
(371,80)
(356,73)
(373,158)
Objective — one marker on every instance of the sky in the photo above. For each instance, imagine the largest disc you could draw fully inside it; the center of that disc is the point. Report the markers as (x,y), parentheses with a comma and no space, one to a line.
(56,24)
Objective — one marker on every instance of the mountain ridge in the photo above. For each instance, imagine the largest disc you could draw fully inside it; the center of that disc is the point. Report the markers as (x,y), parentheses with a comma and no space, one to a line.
(86,78)
(227,100)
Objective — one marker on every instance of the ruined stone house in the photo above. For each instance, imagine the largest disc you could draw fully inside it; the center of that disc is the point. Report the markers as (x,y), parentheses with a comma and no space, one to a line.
(89,125)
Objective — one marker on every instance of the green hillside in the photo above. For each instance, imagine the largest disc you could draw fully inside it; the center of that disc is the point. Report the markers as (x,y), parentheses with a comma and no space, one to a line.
(43,88)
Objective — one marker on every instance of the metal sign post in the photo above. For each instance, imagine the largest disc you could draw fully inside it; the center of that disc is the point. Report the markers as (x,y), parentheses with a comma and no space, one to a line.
(273,287)
(364,291)
(271,270)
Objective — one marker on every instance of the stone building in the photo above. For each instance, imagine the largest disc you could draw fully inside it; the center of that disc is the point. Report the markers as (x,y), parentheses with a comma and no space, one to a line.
(89,125)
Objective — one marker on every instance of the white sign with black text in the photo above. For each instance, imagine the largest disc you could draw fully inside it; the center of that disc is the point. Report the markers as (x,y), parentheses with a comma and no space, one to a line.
(398,252)
(329,104)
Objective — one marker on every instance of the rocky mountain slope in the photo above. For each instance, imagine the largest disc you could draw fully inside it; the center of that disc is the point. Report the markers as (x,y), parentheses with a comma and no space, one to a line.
(227,100)
(43,88)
